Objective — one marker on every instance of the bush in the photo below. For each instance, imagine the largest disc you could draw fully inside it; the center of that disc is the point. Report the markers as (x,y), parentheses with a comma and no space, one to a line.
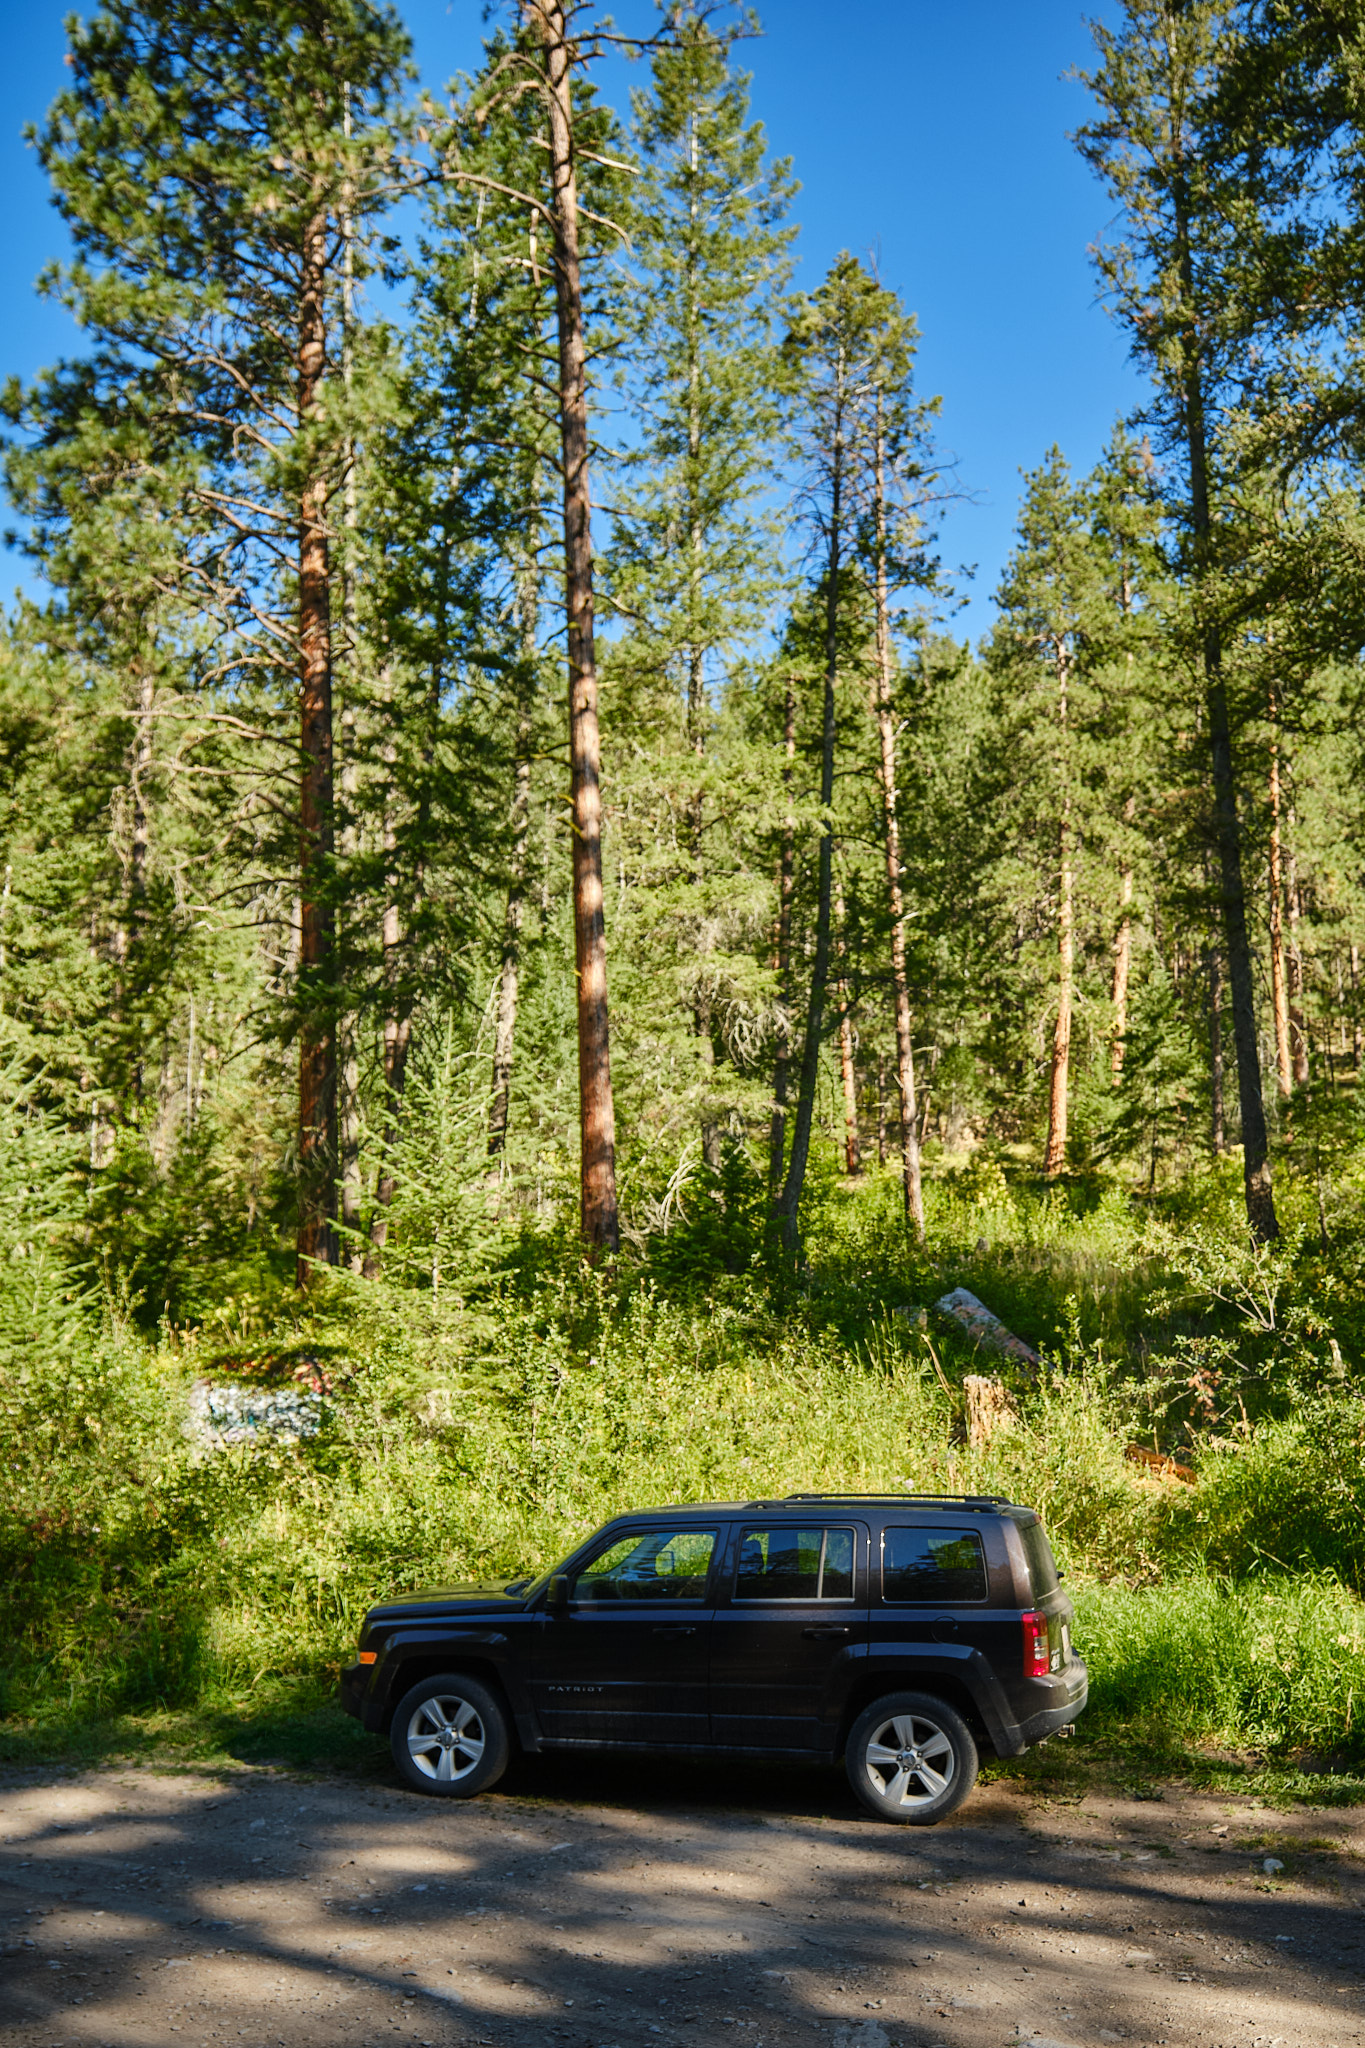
(1277,1666)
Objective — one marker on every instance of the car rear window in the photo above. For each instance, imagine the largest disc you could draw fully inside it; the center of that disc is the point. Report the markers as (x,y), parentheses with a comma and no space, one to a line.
(795,1564)
(1042,1567)
(941,1565)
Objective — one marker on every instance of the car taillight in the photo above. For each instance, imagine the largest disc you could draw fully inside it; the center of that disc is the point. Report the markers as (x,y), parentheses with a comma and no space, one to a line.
(1037,1656)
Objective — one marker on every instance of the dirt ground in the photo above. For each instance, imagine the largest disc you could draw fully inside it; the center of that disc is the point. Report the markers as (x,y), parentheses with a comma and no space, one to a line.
(628,1905)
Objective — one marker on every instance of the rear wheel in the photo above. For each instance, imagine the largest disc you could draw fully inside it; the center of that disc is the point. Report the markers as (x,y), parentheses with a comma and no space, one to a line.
(450,1737)
(911,1758)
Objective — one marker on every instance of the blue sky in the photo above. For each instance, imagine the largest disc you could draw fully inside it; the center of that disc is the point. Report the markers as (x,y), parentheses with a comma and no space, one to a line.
(931,136)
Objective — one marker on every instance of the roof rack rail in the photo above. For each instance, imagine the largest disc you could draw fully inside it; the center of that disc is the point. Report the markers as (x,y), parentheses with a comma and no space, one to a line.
(957,1500)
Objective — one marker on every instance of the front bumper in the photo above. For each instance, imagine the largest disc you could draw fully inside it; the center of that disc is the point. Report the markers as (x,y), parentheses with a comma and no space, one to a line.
(354,1685)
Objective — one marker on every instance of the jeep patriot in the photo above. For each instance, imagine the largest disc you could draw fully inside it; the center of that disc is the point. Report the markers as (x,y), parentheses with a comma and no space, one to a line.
(904,1633)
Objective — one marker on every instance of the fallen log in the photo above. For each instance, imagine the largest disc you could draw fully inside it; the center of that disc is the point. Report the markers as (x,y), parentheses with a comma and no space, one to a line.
(987,1329)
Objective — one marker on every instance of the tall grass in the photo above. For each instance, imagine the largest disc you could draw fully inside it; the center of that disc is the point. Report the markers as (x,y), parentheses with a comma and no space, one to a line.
(1276,1665)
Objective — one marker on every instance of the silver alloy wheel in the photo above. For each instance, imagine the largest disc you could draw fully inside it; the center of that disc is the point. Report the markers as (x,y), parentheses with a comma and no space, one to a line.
(910,1760)
(446,1738)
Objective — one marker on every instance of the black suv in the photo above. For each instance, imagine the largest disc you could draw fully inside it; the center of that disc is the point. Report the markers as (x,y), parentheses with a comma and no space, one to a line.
(903,1632)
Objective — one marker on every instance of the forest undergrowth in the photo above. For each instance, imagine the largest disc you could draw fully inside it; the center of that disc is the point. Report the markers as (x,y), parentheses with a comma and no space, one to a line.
(160,1598)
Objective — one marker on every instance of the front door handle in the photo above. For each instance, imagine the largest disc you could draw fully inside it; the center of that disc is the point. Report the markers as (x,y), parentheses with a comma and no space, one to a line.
(672,1628)
(816,1635)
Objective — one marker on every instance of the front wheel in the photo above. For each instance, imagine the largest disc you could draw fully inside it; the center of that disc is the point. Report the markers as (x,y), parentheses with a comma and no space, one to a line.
(911,1757)
(450,1736)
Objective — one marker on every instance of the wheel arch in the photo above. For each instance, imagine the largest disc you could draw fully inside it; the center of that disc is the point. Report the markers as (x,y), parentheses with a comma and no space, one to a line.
(940,1685)
(427,1664)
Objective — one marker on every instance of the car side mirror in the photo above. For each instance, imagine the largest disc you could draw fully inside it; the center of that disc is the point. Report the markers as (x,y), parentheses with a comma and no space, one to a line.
(557,1592)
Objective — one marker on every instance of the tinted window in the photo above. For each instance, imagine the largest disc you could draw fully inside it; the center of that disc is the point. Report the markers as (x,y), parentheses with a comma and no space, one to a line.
(1042,1569)
(650,1564)
(795,1564)
(942,1565)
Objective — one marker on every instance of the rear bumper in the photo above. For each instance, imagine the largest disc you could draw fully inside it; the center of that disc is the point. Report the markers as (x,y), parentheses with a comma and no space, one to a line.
(1050,1704)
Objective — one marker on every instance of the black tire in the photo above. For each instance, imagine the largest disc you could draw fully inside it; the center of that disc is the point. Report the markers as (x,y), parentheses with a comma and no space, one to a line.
(911,1758)
(469,1742)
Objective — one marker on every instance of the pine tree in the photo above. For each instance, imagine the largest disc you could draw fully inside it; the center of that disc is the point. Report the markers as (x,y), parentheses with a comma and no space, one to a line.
(545,61)
(894,552)
(693,563)
(1174,277)
(202,161)
(844,347)
(1045,701)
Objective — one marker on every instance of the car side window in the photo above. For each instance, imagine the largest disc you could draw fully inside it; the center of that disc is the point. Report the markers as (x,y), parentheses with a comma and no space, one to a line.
(650,1564)
(942,1565)
(795,1564)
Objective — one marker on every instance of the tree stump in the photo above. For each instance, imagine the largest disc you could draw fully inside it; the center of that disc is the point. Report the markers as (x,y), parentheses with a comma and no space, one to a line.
(990,1408)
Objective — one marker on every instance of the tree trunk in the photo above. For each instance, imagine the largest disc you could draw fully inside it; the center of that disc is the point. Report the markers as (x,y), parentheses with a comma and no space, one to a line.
(1054,1161)
(397,1038)
(1257,1179)
(1279,994)
(1123,961)
(853,1151)
(504,1038)
(126,933)
(1298,1034)
(348,1049)
(317,1126)
(881,1109)
(348,1029)
(597,1121)
(912,1186)
(1356,1034)
(786,882)
(509,982)
(1217,1134)
(788,1205)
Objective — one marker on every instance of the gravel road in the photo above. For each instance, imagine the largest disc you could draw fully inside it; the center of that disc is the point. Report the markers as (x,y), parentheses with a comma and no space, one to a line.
(602,1905)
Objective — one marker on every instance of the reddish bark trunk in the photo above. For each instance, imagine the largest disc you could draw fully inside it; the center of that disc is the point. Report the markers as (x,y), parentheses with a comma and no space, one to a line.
(597,1121)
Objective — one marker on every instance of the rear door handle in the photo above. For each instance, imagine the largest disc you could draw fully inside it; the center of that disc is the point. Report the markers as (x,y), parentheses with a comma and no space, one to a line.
(672,1628)
(815,1635)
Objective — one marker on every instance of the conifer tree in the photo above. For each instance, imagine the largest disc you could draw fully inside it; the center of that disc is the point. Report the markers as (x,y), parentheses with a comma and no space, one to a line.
(1047,601)
(543,62)
(694,557)
(1173,275)
(201,160)
(894,552)
(848,348)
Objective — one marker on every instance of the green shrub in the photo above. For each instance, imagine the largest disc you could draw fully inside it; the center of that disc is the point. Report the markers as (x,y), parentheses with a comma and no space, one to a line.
(1276,1665)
